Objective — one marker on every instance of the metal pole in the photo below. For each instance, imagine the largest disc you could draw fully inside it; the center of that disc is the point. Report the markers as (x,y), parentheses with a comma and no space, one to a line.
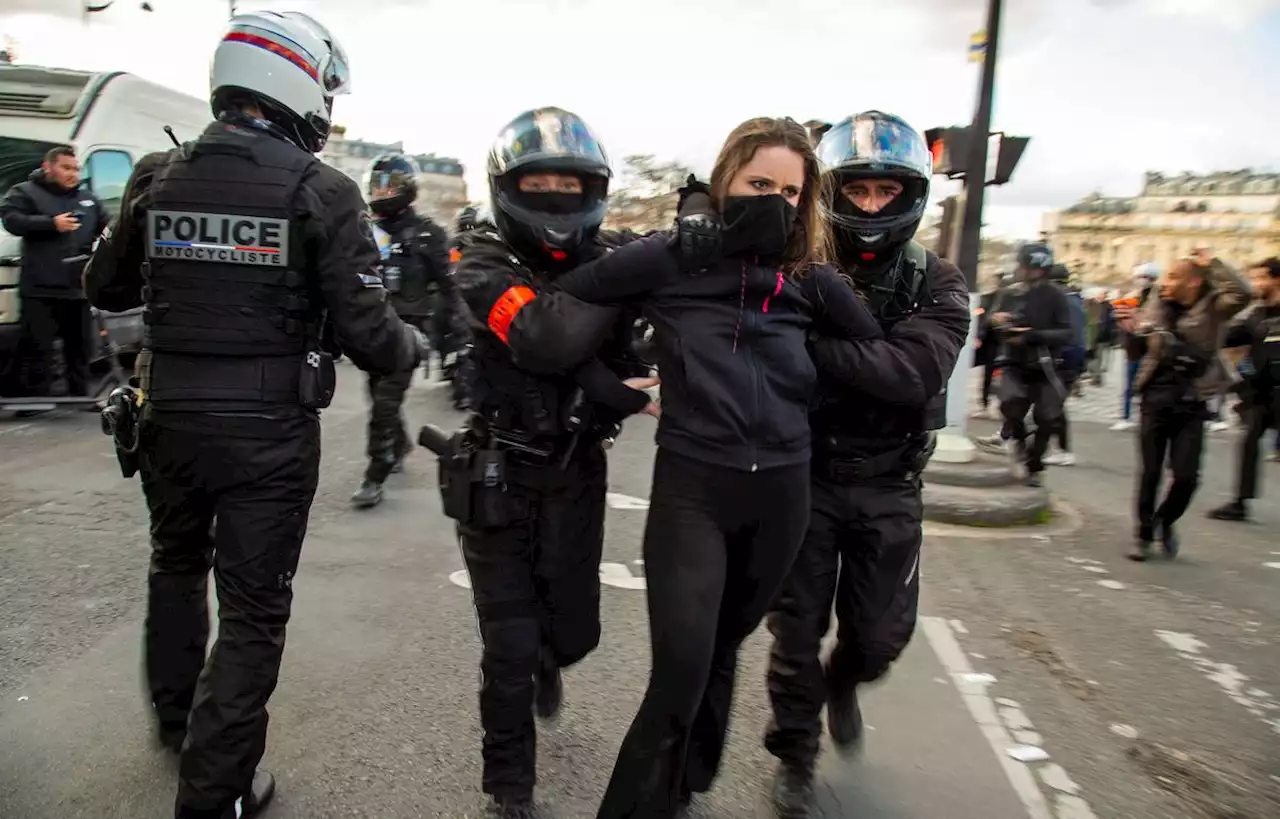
(954,445)
(976,167)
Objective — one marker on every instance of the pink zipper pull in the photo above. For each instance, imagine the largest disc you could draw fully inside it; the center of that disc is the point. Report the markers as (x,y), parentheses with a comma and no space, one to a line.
(765,307)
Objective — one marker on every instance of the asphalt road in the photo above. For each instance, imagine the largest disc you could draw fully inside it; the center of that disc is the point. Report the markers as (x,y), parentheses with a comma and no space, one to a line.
(1144,686)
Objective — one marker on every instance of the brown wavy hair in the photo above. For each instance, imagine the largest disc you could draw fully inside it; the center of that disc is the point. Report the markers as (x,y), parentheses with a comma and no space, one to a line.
(810,243)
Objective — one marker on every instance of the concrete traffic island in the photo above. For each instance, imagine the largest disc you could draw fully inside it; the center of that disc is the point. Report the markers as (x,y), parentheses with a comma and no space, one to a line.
(984,492)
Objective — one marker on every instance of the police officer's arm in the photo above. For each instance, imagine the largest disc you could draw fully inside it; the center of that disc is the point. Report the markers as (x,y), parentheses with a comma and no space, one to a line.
(547,331)
(837,310)
(912,364)
(1244,330)
(566,331)
(113,278)
(340,247)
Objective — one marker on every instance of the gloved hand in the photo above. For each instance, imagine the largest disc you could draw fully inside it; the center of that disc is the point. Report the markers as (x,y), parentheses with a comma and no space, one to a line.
(697,235)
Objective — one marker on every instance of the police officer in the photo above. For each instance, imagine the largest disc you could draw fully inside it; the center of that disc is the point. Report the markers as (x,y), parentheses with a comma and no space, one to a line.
(533,529)
(1033,322)
(1257,330)
(243,246)
(878,402)
(415,273)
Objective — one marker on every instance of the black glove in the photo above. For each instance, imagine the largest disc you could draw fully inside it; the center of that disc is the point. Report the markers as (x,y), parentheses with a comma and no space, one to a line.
(697,235)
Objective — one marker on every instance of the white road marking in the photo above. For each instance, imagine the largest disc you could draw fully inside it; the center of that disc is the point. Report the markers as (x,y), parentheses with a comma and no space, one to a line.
(1112,584)
(619,576)
(611,574)
(1095,569)
(1271,565)
(1122,730)
(973,689)
(620,501)
(14,428)
(1226,676)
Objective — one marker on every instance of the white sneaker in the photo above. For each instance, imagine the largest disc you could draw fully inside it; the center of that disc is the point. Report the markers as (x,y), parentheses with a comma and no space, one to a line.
(1060,459)
(1122,426)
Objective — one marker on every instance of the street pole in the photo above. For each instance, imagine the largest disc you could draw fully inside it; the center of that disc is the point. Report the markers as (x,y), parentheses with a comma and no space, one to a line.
(954,445)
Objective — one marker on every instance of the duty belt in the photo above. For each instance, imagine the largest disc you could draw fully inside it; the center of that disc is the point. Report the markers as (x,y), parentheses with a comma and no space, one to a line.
(899,462)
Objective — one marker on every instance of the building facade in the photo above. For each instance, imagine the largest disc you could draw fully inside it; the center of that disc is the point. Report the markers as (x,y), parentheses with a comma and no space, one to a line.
(442,192)
(1236,214)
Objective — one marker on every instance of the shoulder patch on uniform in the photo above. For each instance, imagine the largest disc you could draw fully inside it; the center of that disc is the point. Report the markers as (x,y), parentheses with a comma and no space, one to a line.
(369,279)
(218,237)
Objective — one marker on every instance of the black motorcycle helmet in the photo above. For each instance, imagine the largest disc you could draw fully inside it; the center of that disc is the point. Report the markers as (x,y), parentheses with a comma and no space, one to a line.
(1036,258)
(393,184)
(875,145)
(1060,274)
(549,226)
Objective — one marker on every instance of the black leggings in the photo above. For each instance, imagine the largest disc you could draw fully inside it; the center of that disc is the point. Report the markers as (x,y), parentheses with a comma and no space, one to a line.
(717,546)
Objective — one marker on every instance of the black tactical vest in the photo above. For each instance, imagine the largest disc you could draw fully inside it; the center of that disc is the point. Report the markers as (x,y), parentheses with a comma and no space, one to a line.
(403,269)
(229,313)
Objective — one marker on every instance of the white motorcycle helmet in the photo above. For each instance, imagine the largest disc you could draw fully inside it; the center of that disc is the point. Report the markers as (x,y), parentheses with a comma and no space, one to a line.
(288,64)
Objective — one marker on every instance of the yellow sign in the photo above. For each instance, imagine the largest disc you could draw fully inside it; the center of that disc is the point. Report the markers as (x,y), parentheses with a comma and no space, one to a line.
(977,47)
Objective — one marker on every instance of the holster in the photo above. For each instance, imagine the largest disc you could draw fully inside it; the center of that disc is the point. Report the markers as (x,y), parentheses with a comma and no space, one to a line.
(318,380)
(122,420)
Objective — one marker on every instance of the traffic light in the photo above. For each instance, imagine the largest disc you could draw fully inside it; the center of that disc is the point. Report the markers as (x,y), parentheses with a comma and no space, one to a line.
(950,150)
(949,147)
(1011,150)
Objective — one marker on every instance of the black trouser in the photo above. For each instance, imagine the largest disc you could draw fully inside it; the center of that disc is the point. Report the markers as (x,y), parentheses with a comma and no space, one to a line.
(240,505)
(1063,430)
(1258,419)
(1174,432)
(388,440)
(536,586)
(717,545)
(1022,390)
(862,553)
(988,375)
(45,320)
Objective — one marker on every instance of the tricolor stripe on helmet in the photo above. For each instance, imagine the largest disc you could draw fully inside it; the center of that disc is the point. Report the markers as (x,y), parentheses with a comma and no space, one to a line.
(277,44)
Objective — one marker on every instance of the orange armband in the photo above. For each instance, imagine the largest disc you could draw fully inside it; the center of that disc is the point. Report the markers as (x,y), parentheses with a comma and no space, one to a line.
(455,255)
(505,309)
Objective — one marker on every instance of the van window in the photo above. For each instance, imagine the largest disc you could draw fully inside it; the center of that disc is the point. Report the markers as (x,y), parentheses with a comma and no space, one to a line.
(18,158)
(107,173)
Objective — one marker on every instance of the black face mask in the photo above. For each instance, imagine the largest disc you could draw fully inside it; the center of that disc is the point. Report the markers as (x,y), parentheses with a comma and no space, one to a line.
(557,204)
(758,224)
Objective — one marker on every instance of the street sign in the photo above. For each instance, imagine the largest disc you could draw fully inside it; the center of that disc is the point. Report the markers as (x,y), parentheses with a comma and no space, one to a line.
(977,47)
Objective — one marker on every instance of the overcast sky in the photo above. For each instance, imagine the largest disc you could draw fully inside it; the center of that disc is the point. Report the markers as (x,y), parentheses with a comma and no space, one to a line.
(1106,88)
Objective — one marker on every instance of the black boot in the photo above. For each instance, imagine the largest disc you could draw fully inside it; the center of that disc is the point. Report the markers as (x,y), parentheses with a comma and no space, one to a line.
(512,807)
(793,792)
(1235,510)
(256,800)
(844,716)
(550,688)
(368,495)
(171,736)
(1169,541)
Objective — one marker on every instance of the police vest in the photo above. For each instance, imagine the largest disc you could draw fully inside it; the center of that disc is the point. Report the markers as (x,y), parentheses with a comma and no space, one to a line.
(403,270)
(229,313)
(1271,350)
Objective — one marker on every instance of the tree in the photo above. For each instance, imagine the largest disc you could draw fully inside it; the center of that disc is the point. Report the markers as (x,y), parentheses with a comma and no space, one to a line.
(645,198)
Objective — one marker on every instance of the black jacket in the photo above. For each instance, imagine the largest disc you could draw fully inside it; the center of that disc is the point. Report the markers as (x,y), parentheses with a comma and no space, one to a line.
(419,248)
(1043,307)
(874,393)
(737,379)
(341,260)
(511,385)
(1252,329)
(50,268)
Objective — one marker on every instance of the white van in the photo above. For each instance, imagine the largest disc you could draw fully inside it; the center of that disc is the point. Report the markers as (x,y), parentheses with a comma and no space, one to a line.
(112,120)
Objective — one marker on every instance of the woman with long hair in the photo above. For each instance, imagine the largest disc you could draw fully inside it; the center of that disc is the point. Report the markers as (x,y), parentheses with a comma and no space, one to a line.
(730,498)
